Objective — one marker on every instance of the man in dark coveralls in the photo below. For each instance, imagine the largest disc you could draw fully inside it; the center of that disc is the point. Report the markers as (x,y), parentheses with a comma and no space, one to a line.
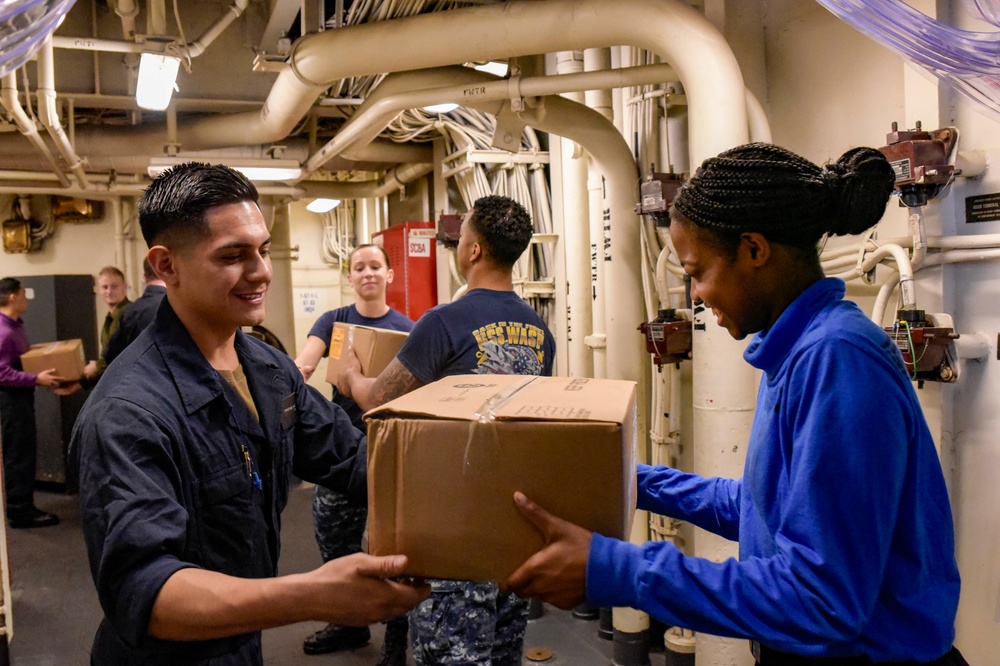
(188,445)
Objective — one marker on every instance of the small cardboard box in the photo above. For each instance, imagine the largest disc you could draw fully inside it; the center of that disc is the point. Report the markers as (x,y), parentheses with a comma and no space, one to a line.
(375,348)
(66,356)
(444,462)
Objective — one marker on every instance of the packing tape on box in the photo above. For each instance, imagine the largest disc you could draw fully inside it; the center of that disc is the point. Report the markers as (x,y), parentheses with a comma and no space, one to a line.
(487,411)
(486,415)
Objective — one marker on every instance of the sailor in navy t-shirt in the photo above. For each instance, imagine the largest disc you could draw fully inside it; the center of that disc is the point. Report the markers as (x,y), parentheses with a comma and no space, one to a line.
(339,524)
(489,330)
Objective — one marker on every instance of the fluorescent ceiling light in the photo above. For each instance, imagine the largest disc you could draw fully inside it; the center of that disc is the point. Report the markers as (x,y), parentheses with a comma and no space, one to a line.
(440,108)
(322,205)
(157,81)
(261,169)
(495,68)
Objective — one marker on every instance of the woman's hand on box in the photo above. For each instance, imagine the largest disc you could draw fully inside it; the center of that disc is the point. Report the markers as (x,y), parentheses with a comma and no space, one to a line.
(49,378)
(556,574)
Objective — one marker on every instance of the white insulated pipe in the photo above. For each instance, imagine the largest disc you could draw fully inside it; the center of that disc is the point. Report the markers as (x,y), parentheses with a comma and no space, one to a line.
(626,357)
(156,20)
(198,46)
(279,314)
(980,241)
(127,10)
(598,97)
(760,128)
(27,127)
(973,346)
(597,226)
(49,116)
(118,221)
(576,243)
(918,232)
(105,45)
(882,300)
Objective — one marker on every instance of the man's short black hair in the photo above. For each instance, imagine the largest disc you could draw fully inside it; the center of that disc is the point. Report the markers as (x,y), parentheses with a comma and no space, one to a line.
(503,226)
(8,287)
(172,209)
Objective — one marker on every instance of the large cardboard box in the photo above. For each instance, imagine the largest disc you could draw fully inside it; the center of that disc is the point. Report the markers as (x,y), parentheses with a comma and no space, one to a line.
(375,348)
(66,356)
(444,462)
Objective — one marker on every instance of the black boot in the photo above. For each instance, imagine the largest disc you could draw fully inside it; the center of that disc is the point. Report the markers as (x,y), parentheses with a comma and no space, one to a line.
(332,638)
(394,646)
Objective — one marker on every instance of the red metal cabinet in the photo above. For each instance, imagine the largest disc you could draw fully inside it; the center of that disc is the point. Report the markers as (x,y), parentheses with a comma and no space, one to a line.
(412,254)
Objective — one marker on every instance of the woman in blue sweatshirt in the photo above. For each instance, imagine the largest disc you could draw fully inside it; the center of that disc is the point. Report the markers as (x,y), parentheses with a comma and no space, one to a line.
(842,516)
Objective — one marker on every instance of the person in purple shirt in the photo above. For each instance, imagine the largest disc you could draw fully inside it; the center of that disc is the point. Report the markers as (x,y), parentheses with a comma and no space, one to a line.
(17,410)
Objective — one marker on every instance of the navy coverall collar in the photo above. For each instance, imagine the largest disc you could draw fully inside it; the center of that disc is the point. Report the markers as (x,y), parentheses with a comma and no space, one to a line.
(198,383)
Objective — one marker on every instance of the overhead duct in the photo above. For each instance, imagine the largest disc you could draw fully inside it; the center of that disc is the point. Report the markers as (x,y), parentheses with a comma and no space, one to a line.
(123,156)
(669,28)
(415,89)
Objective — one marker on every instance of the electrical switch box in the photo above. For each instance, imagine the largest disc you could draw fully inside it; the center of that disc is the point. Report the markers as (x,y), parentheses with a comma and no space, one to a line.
(656,193)
(927,343)
(668,337)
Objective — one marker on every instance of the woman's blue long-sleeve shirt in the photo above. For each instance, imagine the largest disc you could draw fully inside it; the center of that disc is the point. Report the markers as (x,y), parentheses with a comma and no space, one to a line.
(842,515)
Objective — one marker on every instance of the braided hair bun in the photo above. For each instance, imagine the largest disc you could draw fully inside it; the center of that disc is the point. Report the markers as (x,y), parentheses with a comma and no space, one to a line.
(861,182)
(763,188)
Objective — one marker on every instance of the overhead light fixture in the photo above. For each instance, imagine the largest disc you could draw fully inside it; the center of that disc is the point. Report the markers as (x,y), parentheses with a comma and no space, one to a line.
(157,80)
(440,108)
(322,205)
(494,68)
(256,169)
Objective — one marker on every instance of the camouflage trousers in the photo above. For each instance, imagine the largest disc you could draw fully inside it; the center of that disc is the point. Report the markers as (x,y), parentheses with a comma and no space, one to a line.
(339,524)
(468,623)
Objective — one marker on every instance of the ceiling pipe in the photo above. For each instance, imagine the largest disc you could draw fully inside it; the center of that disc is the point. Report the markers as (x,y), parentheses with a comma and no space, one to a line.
(684,38)
(105,191)
(127,10)
(7,174)
(27,127)
(760,128)
(386,101)
(198,46)
(191,49)
(156,18)
(105,45)
(115,152)
(680,35)
(49,116)
(393,181)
